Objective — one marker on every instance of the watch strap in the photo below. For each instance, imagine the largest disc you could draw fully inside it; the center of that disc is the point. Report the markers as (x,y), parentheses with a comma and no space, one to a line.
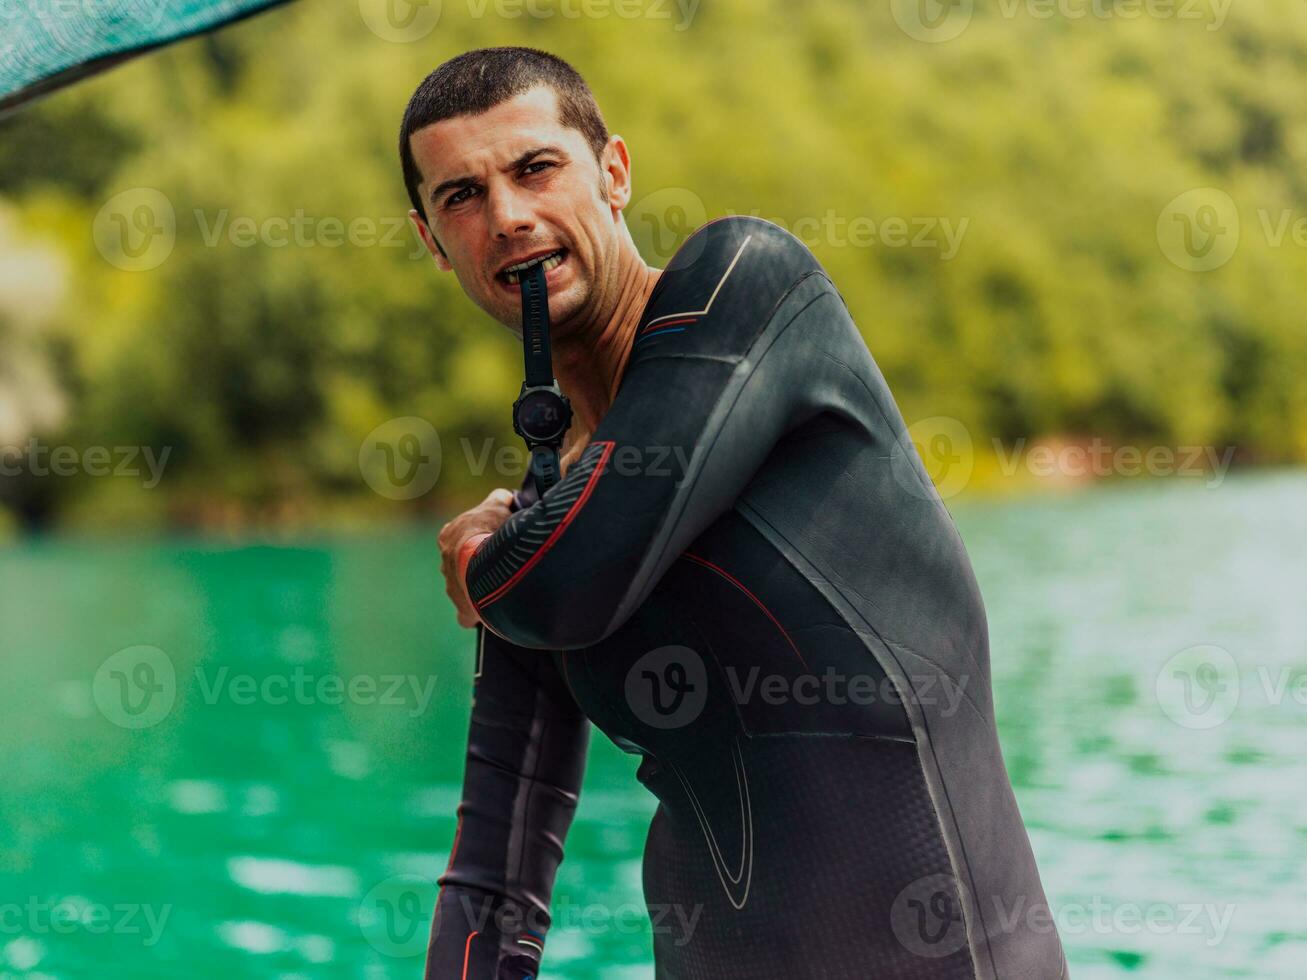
(545,466)
(535,327)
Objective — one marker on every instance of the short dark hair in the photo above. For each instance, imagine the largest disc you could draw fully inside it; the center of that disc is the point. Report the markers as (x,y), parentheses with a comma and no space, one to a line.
(479,80)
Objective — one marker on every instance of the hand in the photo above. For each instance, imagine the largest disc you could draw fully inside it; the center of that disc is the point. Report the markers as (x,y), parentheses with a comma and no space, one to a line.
(483,519)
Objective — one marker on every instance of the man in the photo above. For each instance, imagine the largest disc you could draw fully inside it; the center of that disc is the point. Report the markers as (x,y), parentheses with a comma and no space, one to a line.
(744,576)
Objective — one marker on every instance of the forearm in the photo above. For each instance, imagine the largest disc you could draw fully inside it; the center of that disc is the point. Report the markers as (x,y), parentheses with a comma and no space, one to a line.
(525,760)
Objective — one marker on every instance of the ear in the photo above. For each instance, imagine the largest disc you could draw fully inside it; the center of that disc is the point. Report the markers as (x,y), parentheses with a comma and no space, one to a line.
(429,240)
(616,166)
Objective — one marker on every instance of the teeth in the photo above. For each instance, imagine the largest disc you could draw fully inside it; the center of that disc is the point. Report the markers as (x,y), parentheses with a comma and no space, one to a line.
(551,261)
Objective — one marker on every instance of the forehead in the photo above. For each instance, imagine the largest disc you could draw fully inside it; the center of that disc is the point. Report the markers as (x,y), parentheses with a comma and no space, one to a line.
(467,144)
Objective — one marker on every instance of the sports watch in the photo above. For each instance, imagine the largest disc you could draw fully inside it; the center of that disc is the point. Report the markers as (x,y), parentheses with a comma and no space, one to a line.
(541,413)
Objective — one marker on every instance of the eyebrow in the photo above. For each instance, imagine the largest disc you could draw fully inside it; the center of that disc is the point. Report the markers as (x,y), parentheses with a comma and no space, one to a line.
(458,183)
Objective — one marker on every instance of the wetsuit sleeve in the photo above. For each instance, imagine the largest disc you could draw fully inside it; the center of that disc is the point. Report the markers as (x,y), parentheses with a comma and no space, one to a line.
(729,355)
(525,761)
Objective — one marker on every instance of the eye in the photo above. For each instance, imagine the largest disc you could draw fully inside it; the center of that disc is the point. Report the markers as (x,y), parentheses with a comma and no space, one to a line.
(458,197)
(538,163)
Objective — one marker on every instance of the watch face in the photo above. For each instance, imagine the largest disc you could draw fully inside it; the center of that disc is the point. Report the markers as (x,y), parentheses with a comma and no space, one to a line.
(540,415)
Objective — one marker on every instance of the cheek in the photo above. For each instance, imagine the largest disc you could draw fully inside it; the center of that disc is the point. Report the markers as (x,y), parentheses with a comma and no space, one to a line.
(470,281)
(459,235)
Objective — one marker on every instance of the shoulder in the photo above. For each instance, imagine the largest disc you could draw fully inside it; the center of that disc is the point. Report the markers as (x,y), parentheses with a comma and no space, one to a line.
(762,241)
(722,285)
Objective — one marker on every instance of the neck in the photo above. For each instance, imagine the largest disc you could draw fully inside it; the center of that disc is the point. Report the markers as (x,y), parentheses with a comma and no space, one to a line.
(589,358)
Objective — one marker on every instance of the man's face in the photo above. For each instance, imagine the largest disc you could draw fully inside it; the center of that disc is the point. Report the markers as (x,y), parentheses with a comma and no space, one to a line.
(511,184)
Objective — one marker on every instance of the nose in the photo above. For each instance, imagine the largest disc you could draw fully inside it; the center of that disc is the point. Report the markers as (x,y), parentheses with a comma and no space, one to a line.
(510,212)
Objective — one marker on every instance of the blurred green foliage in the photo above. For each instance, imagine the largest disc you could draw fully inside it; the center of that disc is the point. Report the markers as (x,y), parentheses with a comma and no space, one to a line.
(1055,141)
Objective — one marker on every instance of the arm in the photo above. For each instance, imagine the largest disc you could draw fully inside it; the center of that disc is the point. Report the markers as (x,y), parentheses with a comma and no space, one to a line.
(525,761)
(734,350)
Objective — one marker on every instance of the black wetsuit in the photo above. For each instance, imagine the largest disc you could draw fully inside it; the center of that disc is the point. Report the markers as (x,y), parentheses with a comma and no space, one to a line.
(748,579)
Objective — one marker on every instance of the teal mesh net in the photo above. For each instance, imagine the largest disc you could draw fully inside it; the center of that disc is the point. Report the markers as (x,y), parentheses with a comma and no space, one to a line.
(48,43)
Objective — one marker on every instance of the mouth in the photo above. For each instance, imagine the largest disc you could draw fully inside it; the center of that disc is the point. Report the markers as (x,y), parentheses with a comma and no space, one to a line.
(511,275)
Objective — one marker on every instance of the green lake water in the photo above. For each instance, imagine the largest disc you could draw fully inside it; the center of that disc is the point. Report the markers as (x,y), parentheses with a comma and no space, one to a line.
(189,792)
